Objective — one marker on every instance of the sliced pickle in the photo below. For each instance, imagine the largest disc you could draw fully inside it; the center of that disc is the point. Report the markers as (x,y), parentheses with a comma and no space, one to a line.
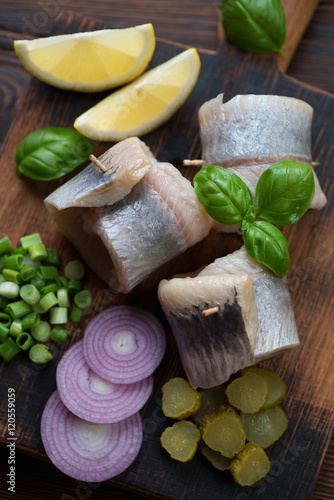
(222,431)
(211,399)
(276,386)
(266,427)
(248,393)
(181,440)
(216,459)
(251,465)
(179,399)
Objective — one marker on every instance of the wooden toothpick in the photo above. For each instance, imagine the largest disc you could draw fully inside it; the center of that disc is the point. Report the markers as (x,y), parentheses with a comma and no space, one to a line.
(98,163)
(212,310)
(192,163)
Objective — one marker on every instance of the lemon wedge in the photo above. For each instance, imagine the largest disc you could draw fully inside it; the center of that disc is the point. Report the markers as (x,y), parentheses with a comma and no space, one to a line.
(91,61)
(145,103)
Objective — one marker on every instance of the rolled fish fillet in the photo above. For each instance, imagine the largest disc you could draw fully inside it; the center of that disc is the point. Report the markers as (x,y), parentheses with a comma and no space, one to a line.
(211,346)
(125,242)
(277,326)
(250,133)
(125,163)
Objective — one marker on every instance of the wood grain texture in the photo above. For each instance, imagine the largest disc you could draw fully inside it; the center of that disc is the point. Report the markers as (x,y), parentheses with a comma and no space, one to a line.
(301,273)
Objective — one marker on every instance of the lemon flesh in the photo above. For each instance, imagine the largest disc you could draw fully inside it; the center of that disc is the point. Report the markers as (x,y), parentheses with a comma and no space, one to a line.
(144,104)
(89,62)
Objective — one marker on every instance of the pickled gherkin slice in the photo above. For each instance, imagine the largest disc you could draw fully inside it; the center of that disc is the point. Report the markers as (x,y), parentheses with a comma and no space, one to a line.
(276,386)
(222,431)
(266,427)
(179,399)
(181,440)
(216,459)
(248,393)
(211,399)
(251,465)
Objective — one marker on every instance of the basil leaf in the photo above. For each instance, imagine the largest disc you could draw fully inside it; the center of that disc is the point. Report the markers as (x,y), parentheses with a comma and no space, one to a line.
(266,244)
(254,25)
(51,152)
(284,192)
(224,196)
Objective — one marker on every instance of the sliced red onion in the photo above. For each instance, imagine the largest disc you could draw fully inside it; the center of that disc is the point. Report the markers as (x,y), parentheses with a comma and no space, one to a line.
(124,344)
(93,398)
(88,451)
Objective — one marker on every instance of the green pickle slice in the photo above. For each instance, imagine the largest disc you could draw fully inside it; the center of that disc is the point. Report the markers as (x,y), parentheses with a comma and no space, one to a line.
(276,386)
(181,440)
(251,465)
(248,393)
(222,431)
(211,399)
(179,399)
(217,460)
(265,427)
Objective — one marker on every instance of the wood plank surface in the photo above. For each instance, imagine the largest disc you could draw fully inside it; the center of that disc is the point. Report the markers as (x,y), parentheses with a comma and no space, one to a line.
(300,273)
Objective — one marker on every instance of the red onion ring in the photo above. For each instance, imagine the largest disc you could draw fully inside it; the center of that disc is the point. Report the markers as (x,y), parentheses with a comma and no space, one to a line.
(86,451)
(92,398)
(124,344)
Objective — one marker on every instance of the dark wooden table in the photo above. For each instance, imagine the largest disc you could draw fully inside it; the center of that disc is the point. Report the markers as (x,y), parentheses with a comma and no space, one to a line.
(195,23)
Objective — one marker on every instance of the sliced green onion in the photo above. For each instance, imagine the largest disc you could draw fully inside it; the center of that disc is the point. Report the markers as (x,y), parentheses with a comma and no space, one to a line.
(8,349)
(16,328)
(41,332)
(2,279)
(18,309)
(37,252)
(53,257)
(24,341)
(83,299)
(59,334)
(74,286)
(4,332)
(40,354)
(75,315)
(51,287)
(37,308)
(12,275)
(61,281)
(38,282)
(9,289)
(49,300)
(5,245)
(30,239)
(20,250)
(58,315)
(14,261)
(63,297)
(74,270)
(4,301)
(5,320)
(30,294)
(27,272)
(2,262)
(47,272)
(30,320)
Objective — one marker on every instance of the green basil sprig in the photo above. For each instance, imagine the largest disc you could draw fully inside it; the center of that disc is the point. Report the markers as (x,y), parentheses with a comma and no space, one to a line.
(254,25)
(51,152)
(283,194)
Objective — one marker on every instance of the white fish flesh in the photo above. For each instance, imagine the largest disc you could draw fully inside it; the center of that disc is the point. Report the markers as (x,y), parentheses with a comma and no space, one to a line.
(277,326)
(126,163)
(125,242)
(250,133)
(212,346)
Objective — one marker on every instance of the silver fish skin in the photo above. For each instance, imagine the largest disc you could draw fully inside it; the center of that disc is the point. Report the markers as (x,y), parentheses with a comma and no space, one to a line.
(211,347)
(277,326)
(126,163)
(249,133)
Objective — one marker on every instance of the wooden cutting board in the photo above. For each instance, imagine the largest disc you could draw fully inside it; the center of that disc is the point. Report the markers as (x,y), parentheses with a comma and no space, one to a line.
(308,372)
